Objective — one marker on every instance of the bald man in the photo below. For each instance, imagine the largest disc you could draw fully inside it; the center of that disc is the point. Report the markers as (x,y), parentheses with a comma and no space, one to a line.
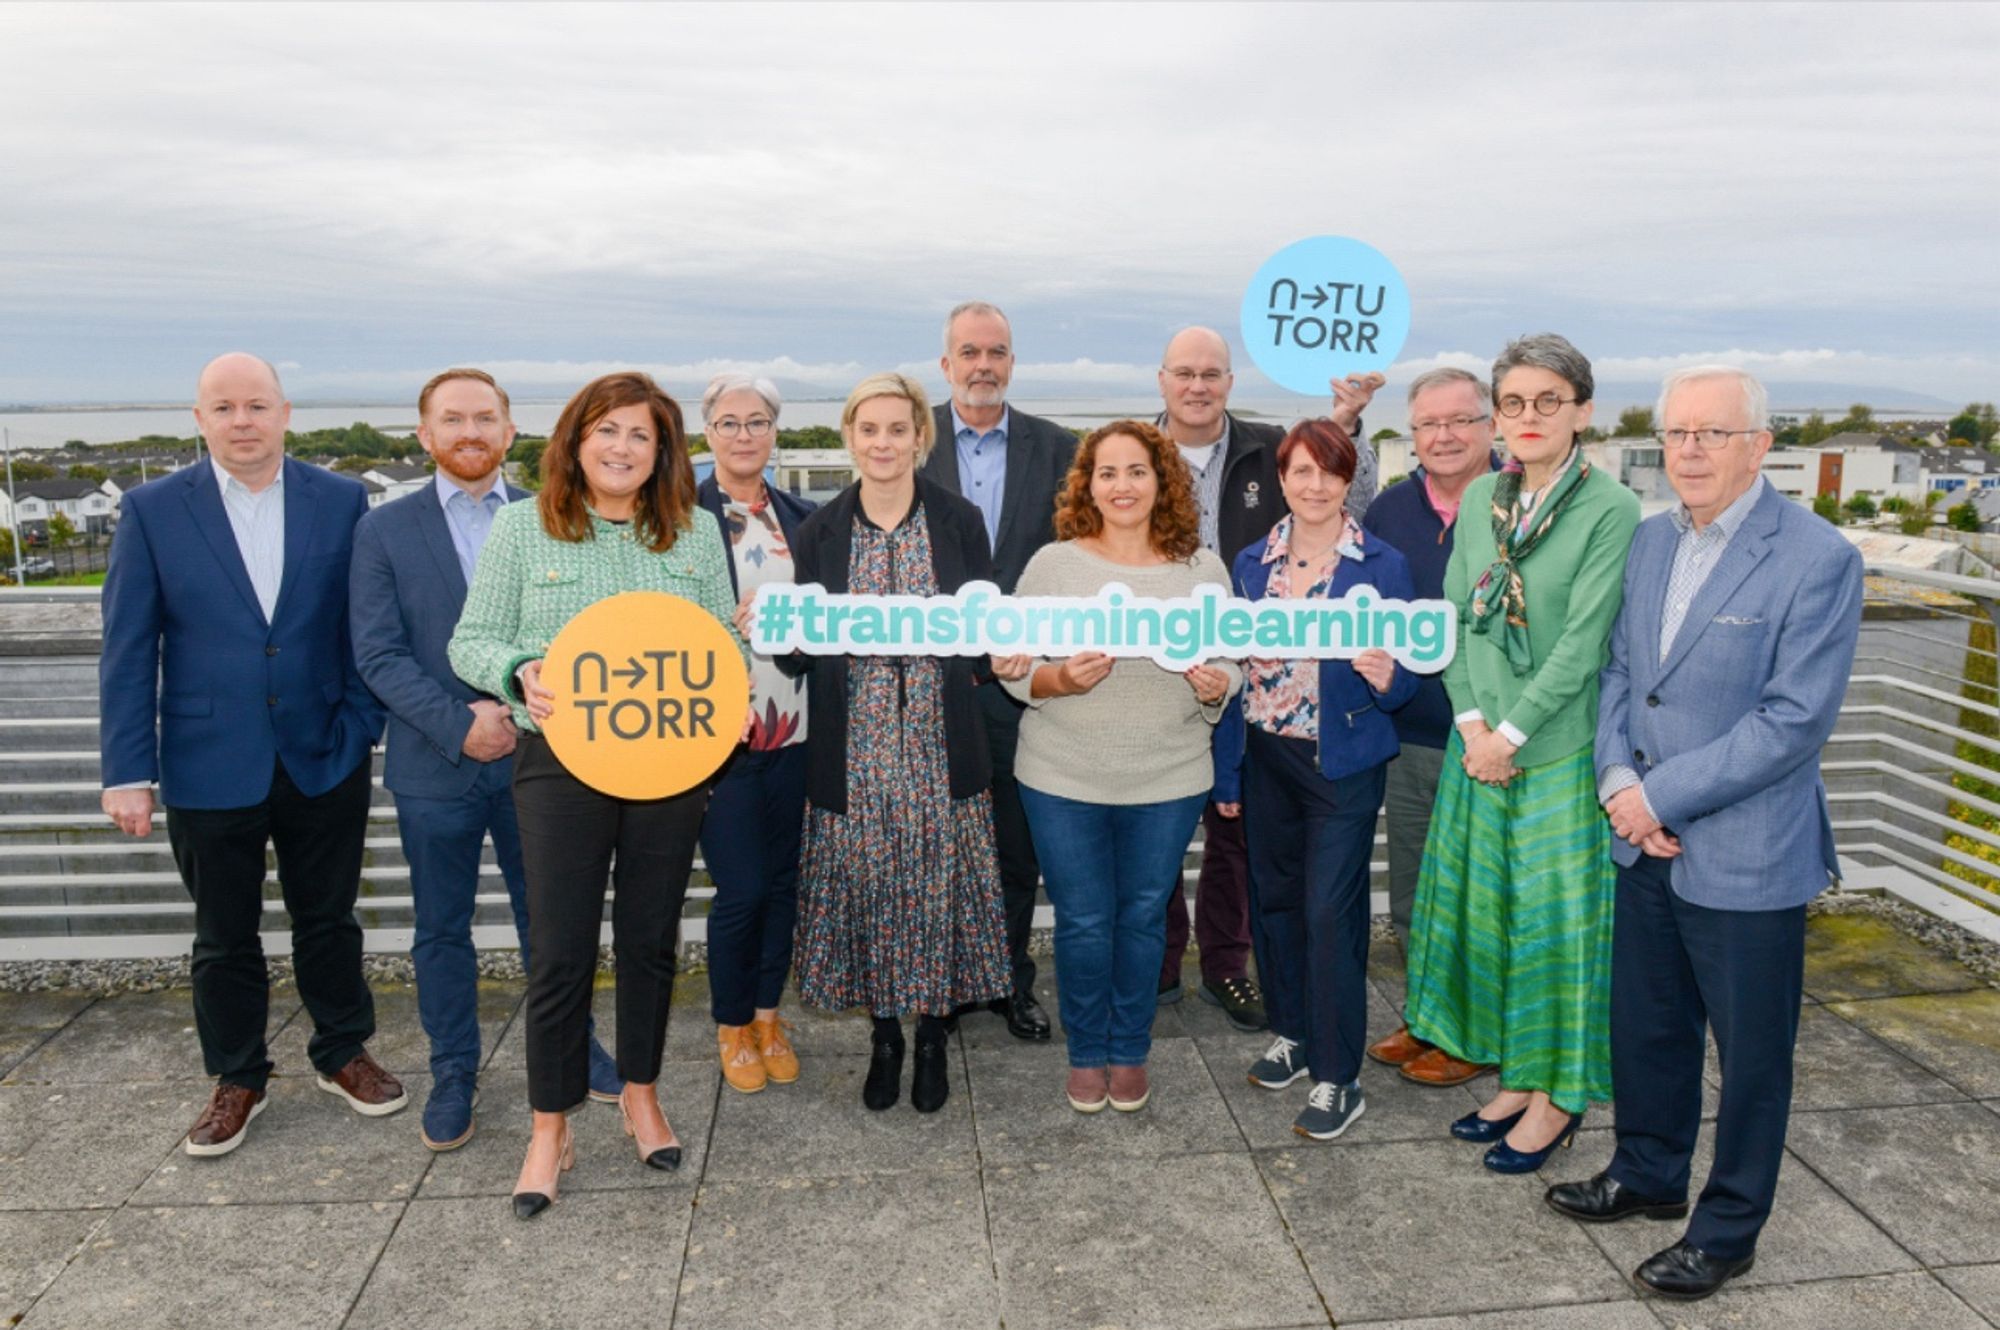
(228,684)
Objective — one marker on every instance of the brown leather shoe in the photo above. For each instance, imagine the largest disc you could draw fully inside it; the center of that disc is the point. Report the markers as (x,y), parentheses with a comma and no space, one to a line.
(1398,1049)
(1437,1067)
(781,1063)
(224,1120)
(367,1088)
(742,1069)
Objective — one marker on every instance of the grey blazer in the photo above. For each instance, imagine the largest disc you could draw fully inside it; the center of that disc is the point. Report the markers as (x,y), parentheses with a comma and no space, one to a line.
(1726,730)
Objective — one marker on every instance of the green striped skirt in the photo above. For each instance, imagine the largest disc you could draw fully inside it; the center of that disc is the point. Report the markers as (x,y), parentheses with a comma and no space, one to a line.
(1510,940)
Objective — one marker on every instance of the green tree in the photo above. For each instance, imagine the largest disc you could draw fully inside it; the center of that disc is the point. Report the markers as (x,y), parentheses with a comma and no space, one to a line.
(33,471)
(1964,427)
(1381,434)
(1895,503)
(1860,507)
(1814,429)
(1592,434)
(1635,422)
(87,471)
(526,459)
(62,531)
(1917,517)
(1962,516)
(1989,424)
(1860,420)
(1828,506)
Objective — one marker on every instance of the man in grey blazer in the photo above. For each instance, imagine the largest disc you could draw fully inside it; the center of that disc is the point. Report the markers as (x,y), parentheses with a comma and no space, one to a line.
(1727,666)
(450,750)
(1011,466)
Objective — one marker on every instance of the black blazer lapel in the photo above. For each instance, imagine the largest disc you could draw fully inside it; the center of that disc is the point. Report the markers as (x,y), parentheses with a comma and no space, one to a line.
(941,468)
(204,501)
(1023,447)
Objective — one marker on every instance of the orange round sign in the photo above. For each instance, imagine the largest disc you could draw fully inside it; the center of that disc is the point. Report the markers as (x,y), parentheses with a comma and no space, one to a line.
(651,691)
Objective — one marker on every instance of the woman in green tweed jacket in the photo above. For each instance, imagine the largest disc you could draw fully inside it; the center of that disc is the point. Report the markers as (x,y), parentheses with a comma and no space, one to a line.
(616,513)
(1510,948)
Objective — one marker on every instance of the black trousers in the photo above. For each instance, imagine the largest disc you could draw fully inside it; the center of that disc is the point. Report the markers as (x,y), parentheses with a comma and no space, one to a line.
(1676,967)
(573,840)
(220,853)
(1020,871)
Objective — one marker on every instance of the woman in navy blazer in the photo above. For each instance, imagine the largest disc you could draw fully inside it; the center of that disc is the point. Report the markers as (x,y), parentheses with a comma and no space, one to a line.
(1314,739)
(750,837)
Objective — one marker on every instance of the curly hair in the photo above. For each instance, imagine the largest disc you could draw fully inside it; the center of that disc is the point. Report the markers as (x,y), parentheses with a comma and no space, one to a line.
(666,502)
(1176,523)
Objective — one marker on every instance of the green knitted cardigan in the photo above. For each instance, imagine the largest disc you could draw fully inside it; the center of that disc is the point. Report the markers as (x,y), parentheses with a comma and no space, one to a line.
(528,585)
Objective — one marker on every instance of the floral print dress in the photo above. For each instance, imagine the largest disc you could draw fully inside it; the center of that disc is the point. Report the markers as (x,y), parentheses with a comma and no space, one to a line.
(899,898)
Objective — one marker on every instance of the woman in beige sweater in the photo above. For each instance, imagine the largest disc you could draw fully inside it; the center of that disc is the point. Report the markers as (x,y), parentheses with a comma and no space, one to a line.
(1114,763)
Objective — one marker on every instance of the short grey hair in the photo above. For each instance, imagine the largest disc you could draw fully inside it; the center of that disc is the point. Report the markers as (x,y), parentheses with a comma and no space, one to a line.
(1756,401)
(1551,352)
(722,385)
(975,307)
(1446,375)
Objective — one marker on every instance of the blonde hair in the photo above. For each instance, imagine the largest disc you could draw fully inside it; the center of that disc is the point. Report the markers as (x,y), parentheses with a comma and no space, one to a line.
(892,385)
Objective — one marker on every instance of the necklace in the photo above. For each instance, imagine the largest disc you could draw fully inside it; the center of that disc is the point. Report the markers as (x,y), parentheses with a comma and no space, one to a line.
(1307,561)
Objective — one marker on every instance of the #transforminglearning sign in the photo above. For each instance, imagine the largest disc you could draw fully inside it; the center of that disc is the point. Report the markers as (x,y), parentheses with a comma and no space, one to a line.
(1173,633)
(1323,309)
(651,691)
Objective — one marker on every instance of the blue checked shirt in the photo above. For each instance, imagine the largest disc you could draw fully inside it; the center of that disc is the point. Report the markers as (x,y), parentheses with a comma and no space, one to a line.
(982,468)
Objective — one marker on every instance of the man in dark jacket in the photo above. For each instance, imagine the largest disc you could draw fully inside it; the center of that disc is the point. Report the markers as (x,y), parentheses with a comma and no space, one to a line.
(1010,465)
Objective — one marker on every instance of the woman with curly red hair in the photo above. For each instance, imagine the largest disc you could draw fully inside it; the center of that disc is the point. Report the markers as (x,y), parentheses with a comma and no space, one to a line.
(1115,763)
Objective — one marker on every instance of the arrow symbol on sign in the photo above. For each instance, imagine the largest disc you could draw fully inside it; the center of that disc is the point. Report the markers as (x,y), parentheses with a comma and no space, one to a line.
(1318,296)
(634,676)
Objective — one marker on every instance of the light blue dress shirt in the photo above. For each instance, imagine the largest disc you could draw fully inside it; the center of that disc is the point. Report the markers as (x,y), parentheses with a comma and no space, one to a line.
(258,522)
(469,519)
(982,468)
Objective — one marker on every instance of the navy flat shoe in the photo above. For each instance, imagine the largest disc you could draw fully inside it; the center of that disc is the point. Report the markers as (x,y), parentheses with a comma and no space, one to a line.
(1504,1158)
(1480,1131)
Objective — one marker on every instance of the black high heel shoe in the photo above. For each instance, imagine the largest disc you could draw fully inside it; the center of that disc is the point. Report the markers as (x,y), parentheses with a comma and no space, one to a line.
(528,1204)
(1504,1158)
(930,1083)
(884,1085)
(1480,1130)
(667,1158)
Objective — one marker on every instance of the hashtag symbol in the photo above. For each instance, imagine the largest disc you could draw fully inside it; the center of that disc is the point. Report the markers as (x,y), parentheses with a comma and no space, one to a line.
(774,616)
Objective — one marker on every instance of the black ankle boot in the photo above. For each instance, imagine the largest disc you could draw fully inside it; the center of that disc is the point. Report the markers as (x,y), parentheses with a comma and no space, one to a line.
(930,1085)
(885,1071)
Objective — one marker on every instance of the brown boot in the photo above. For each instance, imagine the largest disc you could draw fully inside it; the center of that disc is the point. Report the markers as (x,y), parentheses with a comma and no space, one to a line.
(781,1064)
(1398,1049)
(1437,1067)
(741,1066)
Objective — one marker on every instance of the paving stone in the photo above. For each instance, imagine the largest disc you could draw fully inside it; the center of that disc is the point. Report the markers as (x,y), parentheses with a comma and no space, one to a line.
(399,1043)
(193,1267)
(1370,1217)
(84,1146)
(306,1147)
(1929,1175)
(818,1126)
(987,1029)
(1860,956)
(606,1159)
(593,1258)
(1133,1243)
(1838,1065)
(1979,1285)
(1813,1233)
(34,1248)
(885,1251)
(1022,1115)
(1886,1302)
(21,1012)
(135,1037)
(1957,1035)
(1626,1315)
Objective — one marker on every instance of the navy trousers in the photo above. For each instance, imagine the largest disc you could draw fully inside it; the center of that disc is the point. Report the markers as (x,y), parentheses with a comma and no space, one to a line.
(1676,967)
(750,842)
(443,840)
(1310,840)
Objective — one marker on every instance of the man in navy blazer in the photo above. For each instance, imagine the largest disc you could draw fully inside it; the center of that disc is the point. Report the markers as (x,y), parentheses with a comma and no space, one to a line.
(450,749)
(1727,666)
(227,680)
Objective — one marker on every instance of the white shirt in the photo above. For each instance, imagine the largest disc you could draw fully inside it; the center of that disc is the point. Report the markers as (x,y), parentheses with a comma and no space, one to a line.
(258,521)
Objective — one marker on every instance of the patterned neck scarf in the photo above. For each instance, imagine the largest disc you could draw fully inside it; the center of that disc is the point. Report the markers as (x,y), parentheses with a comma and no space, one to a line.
(1520,521)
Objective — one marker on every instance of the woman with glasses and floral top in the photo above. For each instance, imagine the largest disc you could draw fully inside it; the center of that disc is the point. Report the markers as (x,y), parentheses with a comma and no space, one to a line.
(1510,944)
(750,837)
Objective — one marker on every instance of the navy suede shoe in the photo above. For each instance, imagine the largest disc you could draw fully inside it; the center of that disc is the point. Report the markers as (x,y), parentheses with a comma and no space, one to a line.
(448,1112)
(1504,1158)
(605,1082)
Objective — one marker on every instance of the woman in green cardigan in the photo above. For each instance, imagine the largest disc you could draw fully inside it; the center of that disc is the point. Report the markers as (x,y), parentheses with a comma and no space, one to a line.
(1510,949)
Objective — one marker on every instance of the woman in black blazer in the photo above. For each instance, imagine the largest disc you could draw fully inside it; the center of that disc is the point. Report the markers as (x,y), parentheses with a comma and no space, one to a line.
(899,886)
(750,837)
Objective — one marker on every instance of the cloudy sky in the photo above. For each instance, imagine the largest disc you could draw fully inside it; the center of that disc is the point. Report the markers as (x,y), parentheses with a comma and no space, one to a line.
(366,193)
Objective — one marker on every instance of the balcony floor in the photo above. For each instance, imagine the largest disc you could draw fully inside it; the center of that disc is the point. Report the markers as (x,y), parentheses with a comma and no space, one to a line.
(1007,1208)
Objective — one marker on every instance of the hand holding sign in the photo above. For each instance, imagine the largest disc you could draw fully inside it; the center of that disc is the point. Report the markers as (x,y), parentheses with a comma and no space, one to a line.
(1325,307)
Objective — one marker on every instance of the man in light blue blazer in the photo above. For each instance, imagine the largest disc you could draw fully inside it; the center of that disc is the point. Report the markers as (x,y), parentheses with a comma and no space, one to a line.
(450,749)
(1726,672)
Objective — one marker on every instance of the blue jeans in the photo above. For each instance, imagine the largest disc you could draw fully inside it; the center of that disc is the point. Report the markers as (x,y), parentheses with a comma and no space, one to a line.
(750,842)
(1109,869)
(442,839)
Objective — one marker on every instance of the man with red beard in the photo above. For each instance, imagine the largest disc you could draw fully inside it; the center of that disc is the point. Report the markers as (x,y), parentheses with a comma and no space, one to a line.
(450,749)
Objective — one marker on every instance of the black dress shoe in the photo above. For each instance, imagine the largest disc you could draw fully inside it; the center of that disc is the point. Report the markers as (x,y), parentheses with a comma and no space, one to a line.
(884,1085)
(1025,1017)
(1602,1201)
(930,1085)
(1687,1273)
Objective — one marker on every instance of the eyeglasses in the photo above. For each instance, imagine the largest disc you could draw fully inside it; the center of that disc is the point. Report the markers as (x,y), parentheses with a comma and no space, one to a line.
(1457,424)
(729,427)
(1208,378)
(1545,404)
(1709,440)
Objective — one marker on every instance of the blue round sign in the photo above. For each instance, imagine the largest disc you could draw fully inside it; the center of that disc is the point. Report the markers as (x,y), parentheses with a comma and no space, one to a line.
(1324,308)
